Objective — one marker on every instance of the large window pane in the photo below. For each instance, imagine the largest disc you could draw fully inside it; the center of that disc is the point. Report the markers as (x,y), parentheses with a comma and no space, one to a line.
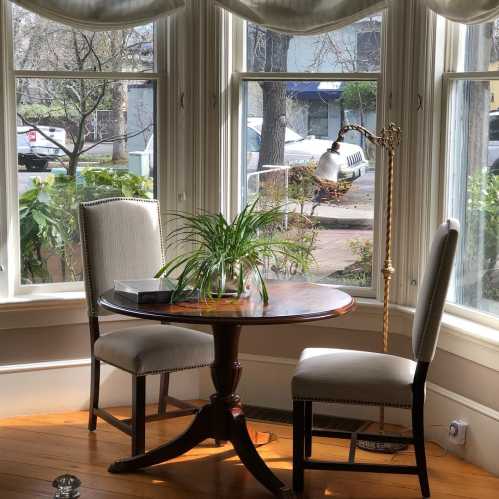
(44,45)
(77,140)
(479,49)
(355,48)
(287,127)
(474,193)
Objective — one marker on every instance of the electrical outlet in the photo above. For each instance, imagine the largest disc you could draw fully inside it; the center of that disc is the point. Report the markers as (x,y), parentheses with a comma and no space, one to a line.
(457,432)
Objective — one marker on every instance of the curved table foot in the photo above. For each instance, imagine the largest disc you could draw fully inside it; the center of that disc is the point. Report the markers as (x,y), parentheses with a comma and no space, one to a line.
(198,431)
(243,445)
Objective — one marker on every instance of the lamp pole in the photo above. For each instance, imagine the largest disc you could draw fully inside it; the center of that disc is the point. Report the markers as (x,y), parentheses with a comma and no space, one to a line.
(389,139)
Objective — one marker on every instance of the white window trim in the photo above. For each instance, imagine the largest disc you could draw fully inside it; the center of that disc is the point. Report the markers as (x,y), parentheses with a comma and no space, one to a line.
(11,289)
(452,35)
(214,187)
(234,73)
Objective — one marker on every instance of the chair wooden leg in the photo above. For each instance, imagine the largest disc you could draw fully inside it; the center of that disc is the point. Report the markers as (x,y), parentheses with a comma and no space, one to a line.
(418,434)
(138,414)
(308,428)
(298,445)
(94,393)
(163,393)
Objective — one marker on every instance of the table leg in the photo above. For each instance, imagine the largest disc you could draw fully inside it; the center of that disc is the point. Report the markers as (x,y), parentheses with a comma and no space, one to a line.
(222,419)
(243,445)
(198,431)
(230,423)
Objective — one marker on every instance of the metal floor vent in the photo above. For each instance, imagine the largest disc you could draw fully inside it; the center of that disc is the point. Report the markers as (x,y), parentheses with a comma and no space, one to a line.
(286,417)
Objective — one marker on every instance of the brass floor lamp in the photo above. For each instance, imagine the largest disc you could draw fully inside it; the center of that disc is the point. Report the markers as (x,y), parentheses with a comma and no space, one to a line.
(388,139)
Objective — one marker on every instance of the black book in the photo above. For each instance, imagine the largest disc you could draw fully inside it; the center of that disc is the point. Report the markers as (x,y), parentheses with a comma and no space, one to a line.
(143,291)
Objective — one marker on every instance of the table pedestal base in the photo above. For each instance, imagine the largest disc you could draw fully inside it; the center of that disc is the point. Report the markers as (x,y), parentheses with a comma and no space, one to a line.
(222,419)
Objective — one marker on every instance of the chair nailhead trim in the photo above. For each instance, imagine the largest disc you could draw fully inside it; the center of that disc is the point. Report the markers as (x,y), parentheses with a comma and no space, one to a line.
(92,304)
(197,366)
(399,405)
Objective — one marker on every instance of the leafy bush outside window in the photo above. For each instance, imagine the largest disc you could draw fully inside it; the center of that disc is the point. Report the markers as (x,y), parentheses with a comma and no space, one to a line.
(50,250)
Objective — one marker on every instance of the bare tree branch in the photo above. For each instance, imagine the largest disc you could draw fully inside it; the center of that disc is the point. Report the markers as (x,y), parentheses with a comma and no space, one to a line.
(116,138)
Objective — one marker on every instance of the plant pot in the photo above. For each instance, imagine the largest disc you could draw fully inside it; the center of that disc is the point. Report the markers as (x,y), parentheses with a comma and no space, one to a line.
(231,286)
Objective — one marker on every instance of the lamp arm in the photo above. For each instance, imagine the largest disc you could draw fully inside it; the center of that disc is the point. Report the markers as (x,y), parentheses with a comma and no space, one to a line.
(389,137)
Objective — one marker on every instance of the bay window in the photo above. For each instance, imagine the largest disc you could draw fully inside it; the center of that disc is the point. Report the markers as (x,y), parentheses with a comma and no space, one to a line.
(294,94)
(472,163)
(85,107)
(83,114)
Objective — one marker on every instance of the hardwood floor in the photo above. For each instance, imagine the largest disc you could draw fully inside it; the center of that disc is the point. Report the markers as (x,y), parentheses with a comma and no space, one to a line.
(36,449)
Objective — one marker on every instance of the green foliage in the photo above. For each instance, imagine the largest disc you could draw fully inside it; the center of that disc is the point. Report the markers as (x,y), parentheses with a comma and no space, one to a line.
(360,95)
(226,253)
(37,224)
(37,111)
(302,185)
(358,273)
(49,218)
(275,191)
(108,182)
(300,229)
(363,249)
(482,225)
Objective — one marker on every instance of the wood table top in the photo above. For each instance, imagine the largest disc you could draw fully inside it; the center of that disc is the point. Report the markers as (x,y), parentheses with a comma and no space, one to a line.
(289,301)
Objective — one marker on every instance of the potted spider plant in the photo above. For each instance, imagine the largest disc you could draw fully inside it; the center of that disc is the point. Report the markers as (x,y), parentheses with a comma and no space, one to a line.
(228,256)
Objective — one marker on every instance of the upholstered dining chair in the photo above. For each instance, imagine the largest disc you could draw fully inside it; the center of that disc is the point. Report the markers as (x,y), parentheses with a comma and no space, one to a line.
(367,378)
(121,239)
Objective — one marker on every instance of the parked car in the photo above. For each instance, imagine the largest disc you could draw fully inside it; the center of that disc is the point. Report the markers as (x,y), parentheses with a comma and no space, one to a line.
(493,148)
(300,150)
(34,150)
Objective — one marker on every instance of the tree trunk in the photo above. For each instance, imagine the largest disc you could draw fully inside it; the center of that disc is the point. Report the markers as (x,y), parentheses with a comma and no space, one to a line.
(119,100)
(72,164)
(118,119)
(274,124)
(274,101)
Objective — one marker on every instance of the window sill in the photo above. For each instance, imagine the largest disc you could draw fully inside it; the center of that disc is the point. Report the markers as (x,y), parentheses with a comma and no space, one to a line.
(459,336)
(470,340)
(458,333)
(36,301)
(462,337)
(46,310)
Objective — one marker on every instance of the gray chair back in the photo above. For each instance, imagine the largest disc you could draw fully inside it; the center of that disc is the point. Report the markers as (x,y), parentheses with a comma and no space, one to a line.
(433,291)
(120,239)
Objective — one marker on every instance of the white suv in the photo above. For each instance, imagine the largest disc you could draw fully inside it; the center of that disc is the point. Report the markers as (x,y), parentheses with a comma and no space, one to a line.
(34,150)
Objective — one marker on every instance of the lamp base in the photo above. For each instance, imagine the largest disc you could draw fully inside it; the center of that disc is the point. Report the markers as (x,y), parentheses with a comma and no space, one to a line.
(381,447)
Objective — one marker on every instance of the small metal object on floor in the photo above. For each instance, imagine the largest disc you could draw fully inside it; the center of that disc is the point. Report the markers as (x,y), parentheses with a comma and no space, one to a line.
(381,447)
(67,487)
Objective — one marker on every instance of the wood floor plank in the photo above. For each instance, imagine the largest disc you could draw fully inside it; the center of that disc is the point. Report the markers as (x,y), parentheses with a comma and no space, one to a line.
(36,449)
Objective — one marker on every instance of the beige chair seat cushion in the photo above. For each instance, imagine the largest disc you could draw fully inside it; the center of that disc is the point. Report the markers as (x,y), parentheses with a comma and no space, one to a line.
(156,348)
(353,377)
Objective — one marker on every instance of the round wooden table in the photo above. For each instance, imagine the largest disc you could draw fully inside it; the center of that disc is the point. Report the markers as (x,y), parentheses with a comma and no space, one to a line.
(223,418)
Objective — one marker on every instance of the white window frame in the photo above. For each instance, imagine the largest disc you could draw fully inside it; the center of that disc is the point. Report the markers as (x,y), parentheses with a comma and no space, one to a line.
(10,278)
(454,43)
(235,74)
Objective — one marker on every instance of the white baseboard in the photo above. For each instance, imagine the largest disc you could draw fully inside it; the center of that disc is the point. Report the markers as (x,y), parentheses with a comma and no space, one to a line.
(60,386)
(482,436)
(64,386)
(266,382)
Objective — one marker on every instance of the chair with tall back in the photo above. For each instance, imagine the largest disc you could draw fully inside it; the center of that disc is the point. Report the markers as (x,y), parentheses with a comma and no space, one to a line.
(368,378)
(121,239)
